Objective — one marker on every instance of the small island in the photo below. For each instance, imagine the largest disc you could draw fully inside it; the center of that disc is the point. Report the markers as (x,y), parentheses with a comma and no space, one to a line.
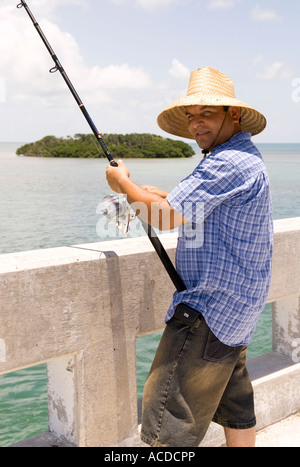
(120,146)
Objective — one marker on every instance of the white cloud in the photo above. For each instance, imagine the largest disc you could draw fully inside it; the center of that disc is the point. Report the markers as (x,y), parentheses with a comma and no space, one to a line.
(147,4)
(48,8)
(178,70)
(275,71)
(221,4)
(152,4)
(120,97)
(261,14)
(25,63)
(117,77)
(257,60)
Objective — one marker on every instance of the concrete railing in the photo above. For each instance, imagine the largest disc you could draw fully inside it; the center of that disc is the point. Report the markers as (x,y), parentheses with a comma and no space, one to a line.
(80,309)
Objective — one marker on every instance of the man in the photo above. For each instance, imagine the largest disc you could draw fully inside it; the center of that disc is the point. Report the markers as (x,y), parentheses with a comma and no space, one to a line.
(199,372)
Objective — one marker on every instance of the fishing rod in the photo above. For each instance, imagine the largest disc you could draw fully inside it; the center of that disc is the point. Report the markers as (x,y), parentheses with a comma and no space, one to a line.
(173,274)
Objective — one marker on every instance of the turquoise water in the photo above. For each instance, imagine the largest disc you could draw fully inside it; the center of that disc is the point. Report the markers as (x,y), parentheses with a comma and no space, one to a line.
(52,202)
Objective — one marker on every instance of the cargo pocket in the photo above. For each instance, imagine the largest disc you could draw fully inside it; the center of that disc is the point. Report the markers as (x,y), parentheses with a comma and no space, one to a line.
(216,351)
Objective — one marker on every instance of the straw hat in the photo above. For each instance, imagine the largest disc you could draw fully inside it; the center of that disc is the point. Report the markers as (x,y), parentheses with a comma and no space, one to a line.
(208,87)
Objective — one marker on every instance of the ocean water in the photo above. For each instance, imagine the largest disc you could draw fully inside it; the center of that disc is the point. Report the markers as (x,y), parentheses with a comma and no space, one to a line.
(46,203)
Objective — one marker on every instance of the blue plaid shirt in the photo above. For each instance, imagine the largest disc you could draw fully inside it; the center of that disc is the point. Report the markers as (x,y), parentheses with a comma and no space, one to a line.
(226,267)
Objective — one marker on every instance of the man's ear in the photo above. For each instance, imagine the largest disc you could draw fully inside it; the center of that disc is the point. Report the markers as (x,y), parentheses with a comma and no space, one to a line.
(236,114)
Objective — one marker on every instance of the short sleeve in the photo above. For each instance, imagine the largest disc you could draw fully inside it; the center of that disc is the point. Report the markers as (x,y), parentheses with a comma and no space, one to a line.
(213,182)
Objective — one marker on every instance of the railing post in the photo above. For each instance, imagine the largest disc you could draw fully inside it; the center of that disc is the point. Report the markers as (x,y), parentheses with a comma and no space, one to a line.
(63,398)
(92,399)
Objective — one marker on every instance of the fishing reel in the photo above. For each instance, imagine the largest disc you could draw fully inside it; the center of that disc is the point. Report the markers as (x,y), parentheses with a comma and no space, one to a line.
(117,211)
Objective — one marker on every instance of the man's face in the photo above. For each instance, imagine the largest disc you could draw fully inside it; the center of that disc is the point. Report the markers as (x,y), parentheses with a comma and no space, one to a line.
(205,123)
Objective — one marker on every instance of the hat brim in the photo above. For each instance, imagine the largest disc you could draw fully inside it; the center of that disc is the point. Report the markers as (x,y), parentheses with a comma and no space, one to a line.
(173,119)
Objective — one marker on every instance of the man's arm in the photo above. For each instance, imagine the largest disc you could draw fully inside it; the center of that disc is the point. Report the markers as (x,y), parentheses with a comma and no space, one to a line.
(149,205)
(157,191)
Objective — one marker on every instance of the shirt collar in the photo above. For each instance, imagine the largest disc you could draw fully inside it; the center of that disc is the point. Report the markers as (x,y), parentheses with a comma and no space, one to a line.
(238,137)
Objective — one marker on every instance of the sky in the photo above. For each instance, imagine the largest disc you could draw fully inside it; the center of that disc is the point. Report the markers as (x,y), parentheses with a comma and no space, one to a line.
(130,59)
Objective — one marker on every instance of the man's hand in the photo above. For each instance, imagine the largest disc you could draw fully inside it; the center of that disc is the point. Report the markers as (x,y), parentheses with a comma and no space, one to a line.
(150,203)
(115,176)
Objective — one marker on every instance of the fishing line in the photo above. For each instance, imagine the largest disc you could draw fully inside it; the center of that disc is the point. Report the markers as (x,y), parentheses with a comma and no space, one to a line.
(58,67)
(173,274)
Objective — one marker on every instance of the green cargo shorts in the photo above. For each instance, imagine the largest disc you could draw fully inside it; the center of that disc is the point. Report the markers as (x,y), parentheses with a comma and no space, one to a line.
(194,379)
